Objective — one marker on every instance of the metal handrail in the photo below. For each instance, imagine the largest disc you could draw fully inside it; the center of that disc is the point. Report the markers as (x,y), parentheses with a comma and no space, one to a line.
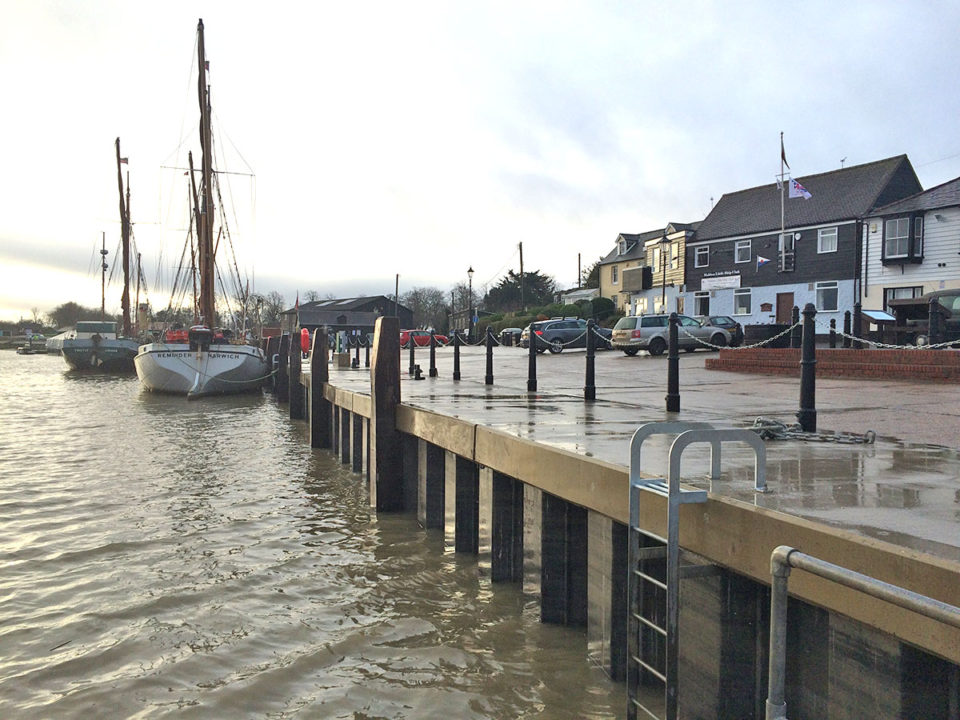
(781,560)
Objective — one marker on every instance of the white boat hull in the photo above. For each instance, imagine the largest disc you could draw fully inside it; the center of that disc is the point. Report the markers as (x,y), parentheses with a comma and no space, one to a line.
(175,368)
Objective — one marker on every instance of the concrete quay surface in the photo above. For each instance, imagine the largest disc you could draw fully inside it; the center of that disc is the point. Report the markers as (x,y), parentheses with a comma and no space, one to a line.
(903,489)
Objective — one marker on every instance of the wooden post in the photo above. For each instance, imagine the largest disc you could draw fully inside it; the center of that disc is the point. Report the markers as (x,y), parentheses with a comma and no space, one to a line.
(319,405)
(386,476)
(283,378)
(296,388)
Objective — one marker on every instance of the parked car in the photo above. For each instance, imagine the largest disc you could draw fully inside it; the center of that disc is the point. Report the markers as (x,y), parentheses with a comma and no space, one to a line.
(651,333)
(510,336)
(559,333)
(421,338)
(727,323)
(913,316)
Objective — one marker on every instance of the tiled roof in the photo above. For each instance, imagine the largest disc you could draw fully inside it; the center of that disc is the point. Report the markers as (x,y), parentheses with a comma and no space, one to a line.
(636,242)
(941,196)
(837,195)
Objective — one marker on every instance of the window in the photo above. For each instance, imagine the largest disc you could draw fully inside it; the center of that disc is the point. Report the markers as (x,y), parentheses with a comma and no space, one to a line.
(701,303)
(641,306)
(901,292)
(741,301)
(674,256)
(615,274)
(896,238)
(918,237)
(827,296)
(742,251)
(654,261)
(654,321)
(701,257)
(622,247)
(827,240)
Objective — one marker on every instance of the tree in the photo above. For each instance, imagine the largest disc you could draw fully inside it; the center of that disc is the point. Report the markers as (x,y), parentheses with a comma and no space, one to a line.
(506,295)
(273,305)
(311,296)
(590,277)
(68,314)
(429,306)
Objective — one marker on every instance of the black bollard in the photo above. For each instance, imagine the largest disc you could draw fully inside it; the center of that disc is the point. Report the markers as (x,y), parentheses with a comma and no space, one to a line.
(833,332)
(846,329)
(356,357)
(795,332)
(807,415)
(857,326)
(933,322)
(433,354)
(532,363)
(413,361)
(366,353)
(673,365)
(590,386)
(456,354)
(488,378)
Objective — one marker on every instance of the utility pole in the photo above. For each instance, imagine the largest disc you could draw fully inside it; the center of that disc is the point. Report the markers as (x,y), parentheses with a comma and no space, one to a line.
(523,304)
(579,272)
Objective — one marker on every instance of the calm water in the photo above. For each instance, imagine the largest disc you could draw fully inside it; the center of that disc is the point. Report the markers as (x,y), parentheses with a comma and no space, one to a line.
(165,558)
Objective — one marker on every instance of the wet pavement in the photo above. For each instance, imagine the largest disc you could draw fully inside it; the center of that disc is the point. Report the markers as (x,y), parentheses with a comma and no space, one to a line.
(904,488)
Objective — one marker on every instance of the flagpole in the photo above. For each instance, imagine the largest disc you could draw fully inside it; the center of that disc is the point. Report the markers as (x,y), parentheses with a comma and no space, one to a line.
(783,240)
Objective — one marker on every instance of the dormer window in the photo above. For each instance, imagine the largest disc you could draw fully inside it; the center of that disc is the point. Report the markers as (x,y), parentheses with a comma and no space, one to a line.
(903,240)
(622,247)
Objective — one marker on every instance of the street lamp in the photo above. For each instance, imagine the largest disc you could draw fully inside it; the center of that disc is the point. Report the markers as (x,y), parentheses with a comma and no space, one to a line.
(664,246)
(470,304)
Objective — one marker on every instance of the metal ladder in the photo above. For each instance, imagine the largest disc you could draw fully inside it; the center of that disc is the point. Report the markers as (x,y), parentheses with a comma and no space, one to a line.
(654,562)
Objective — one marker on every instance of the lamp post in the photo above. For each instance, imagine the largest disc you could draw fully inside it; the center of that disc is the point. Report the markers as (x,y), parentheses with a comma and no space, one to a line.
(470,304)
(664,246)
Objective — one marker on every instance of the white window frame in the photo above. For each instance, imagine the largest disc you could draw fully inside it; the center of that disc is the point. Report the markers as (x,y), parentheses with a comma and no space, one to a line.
(622,247)
(742,245)
(674,263)
(901,240)
(823,287)
(827,240)
(918,237)
(614,274)
(740,293)
(895,293)
(701,256)
(698,299)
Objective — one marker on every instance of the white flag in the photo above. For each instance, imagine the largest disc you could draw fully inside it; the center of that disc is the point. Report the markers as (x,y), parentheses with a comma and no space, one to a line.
(798,190)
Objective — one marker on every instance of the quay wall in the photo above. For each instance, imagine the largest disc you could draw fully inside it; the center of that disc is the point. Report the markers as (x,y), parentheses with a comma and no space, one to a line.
(555,523)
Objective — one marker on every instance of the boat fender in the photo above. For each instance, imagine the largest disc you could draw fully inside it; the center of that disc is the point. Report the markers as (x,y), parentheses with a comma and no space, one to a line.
(304,340)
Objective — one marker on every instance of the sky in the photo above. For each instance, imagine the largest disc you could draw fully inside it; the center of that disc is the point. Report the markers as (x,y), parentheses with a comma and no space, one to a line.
(371,139)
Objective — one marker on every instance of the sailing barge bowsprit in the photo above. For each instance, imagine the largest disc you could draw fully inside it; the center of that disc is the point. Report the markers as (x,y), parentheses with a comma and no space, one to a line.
(204,362)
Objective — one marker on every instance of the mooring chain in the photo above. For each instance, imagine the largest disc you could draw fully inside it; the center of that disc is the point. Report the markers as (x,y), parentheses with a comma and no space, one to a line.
(739,347)
(888,346)
(769,429)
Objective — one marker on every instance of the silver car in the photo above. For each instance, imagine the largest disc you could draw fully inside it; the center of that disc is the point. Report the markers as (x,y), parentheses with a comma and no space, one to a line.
(651,333)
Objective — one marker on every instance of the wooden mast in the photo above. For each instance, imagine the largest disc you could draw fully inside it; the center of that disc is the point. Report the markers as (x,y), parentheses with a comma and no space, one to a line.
(207,261)
(125,236)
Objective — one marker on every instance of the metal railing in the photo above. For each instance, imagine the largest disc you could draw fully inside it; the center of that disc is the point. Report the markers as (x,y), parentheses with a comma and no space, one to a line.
(782,560)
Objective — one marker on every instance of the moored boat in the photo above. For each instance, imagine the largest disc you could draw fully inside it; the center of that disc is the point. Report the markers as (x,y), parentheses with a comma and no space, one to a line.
(95,345)
(205,362)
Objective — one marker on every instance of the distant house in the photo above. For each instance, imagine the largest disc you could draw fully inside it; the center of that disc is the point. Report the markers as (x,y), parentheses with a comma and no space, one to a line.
(912,247)
(741,264)
(575,295)
(349,314)
(644,273)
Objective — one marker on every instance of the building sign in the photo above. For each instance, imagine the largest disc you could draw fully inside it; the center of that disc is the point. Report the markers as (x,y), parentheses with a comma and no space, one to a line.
(720,281)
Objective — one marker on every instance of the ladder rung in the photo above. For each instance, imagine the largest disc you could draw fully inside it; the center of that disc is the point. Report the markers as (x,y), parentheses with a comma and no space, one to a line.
(649,668)
(650,713)
(660,487)
(647,533)
(650,579)
(649,623)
